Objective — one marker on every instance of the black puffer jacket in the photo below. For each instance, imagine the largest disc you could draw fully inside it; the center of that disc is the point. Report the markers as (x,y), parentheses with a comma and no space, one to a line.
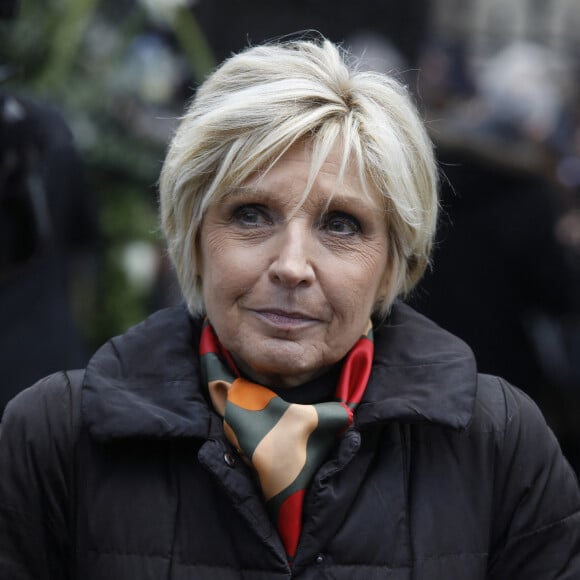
(444,476)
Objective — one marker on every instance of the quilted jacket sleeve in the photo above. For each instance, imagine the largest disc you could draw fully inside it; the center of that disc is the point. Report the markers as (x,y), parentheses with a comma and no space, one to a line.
(537,518)
(36,451)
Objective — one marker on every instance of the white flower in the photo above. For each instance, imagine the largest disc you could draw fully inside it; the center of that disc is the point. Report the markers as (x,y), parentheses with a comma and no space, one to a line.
(164,10)
(140,260)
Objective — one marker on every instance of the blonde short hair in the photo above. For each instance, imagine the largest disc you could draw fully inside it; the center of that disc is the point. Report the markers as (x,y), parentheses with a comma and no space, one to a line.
(259,103)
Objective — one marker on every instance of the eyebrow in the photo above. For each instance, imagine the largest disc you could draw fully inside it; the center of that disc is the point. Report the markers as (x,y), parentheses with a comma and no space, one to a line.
(339,199)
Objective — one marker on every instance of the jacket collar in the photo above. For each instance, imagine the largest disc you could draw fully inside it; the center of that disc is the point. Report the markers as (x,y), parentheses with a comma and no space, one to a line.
(146,383)
(420,373)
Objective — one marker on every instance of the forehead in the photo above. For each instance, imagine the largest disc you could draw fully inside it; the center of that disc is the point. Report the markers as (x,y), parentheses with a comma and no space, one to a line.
(303,156)
(302,174)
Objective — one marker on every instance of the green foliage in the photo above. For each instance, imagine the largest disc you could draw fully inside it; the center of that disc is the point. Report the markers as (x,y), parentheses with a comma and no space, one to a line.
(126,216)
(77,54)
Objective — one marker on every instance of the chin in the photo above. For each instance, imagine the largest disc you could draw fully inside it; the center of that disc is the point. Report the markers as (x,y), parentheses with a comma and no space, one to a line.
(286,372)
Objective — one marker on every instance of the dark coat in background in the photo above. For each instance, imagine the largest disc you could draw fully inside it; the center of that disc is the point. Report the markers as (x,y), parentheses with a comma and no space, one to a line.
(502,281)
(497,263)
(445,474)
(48,219)
(231,25)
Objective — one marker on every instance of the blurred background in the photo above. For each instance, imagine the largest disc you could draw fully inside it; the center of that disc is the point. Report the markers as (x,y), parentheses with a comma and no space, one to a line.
(90,93)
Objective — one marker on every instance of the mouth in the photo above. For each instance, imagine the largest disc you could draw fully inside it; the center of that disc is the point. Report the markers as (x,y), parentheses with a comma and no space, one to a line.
(286,318)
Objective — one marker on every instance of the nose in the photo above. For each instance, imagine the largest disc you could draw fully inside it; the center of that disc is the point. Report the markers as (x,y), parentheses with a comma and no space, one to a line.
(292,263)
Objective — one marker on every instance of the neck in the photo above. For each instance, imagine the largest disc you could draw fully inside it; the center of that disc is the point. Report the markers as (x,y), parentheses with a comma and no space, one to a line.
(277,380)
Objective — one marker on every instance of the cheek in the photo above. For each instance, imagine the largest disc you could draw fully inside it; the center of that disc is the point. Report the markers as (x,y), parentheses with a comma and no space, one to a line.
(377,267)
(353,295)
(365,276)
(228,272)
(219,258)
(214,276)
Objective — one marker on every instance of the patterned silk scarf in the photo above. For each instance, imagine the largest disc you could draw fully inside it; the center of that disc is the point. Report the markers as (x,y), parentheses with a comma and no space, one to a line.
(284,442)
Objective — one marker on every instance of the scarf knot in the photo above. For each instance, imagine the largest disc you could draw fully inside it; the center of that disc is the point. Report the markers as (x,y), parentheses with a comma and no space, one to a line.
(285,443)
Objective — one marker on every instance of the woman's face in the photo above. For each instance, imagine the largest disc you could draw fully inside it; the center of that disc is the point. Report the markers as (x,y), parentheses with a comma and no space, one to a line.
(289,289)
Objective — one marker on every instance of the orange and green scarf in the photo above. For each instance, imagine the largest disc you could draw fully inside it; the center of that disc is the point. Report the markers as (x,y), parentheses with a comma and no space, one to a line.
(284,442)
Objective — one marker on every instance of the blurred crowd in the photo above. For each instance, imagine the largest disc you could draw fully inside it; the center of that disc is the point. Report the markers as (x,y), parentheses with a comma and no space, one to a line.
(506,268)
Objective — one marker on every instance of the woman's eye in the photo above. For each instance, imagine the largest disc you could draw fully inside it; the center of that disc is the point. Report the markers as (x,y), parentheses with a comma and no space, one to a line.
(249,215)
(342,224)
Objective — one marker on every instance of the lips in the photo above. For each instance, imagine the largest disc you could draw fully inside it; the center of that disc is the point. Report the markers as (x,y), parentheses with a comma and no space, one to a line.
(286,318)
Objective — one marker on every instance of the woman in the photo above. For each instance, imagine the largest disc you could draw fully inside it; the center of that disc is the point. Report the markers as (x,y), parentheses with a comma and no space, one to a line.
(295,420)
